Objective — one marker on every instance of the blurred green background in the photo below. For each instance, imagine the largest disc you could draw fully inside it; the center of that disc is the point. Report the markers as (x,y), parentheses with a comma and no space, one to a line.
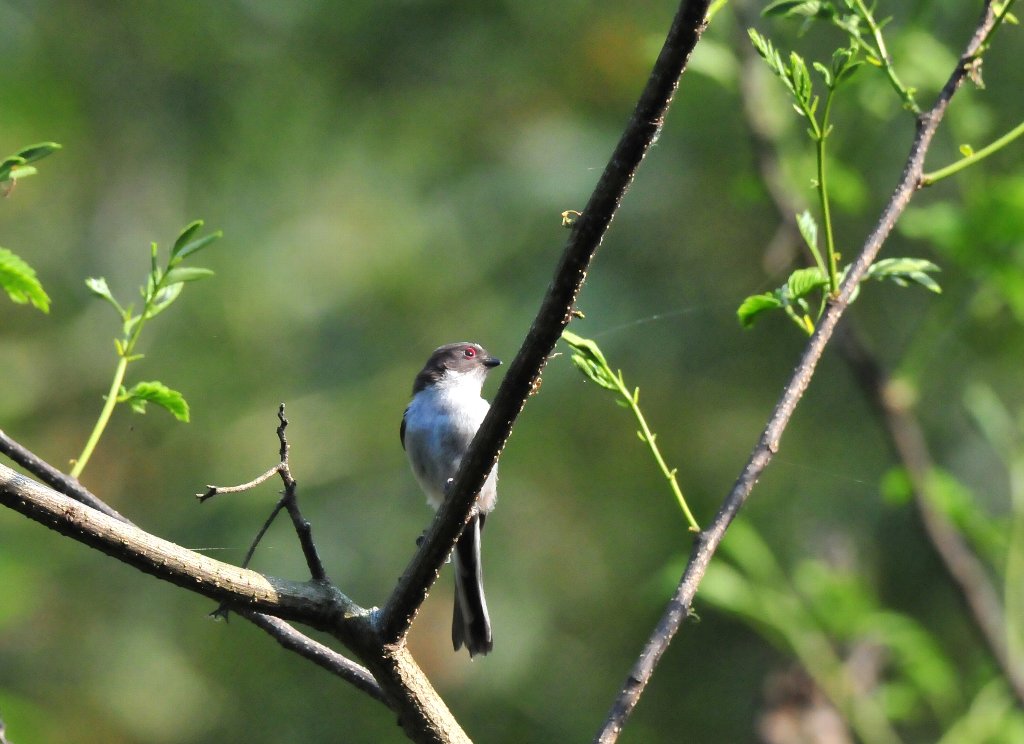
(390,177)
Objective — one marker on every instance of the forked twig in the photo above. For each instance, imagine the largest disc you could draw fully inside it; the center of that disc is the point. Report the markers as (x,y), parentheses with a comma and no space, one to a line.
(289,501)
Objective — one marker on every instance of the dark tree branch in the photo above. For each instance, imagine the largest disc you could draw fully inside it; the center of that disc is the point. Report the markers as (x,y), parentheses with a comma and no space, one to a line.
(554,314)
(708,540)
(52,477)
(316,652)
(282,632)
(421,712)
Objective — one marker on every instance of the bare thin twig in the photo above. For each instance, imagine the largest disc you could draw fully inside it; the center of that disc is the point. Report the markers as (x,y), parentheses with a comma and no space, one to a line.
(768,444)
(316,652)
(289,501)
(554,314)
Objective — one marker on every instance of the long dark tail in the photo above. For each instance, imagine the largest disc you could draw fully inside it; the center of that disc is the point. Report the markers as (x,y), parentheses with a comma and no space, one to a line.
(471,626)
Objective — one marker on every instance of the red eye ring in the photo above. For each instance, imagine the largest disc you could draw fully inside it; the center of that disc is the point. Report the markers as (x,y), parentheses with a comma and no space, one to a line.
(469,352)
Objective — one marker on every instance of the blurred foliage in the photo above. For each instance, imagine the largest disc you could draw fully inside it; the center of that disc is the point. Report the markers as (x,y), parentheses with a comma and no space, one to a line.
(391,177)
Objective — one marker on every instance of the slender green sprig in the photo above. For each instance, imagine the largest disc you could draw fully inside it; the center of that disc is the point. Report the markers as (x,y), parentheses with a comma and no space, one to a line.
(17,165)
(972,156)
(588,359)
(879,55)
(163,286)
(796,77)
(17,278)
(851,16)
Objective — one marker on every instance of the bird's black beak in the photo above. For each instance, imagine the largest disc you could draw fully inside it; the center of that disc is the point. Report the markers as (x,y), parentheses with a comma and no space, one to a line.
(490,362)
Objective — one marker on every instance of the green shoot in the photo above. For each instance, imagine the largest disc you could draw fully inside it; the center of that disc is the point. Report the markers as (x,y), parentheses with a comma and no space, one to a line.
(792,297)
(588,359)
(163,286)
(17,278)
(796,77)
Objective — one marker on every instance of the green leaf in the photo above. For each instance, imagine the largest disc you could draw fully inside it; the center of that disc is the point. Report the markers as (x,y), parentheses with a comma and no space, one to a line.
(808,230)
(98,286)
(185,235)
(804,281)
(807,8)
(186,274)
(19,280)
(155,392)
(21,171)
(754,305)
(163,299)
(187,249)
(588,359)
(32,153)
(904,271)
(9,163)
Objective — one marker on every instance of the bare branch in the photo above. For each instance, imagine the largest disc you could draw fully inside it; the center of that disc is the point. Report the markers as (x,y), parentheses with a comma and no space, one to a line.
(768,444)
(321,655)
(312,603)
(554,314)
(52,477)
(282,632)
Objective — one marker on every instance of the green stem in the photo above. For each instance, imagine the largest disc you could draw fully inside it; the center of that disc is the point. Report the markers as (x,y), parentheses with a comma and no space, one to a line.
(935,176)
(1013,588)
(886,60)
(649,437)
(103,420)
(826,212)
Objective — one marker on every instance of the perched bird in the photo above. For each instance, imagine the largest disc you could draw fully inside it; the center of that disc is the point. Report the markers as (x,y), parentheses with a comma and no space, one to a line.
(437,428)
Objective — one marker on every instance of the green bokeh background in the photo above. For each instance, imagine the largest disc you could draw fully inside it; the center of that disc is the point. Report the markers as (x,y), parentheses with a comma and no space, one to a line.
(390,177)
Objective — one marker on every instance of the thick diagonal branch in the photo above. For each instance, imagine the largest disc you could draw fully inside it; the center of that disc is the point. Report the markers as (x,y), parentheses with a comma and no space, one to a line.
(768,444)
(554,314)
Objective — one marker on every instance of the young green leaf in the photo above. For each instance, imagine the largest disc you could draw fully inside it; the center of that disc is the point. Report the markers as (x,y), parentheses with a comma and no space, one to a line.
(19,280)
(185,235)
(186,274)
(9,163)
(163,299)
(142,393)
(32,153)
(807,8)
(804,281)
(187,249)
(904,271)
(589,360)
(754,306)
(98,286)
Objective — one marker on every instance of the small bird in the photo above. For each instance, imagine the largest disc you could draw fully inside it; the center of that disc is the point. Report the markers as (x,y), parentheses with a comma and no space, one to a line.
(438,426)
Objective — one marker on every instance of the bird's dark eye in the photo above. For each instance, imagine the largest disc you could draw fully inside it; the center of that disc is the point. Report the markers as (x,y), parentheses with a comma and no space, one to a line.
(469,352)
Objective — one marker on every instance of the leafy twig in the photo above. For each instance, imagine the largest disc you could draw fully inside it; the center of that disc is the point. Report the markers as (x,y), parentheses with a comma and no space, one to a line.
(163,286)
(588,359)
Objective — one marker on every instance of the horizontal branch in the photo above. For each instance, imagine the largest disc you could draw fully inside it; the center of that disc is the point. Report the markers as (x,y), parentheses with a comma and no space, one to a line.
(316,604)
